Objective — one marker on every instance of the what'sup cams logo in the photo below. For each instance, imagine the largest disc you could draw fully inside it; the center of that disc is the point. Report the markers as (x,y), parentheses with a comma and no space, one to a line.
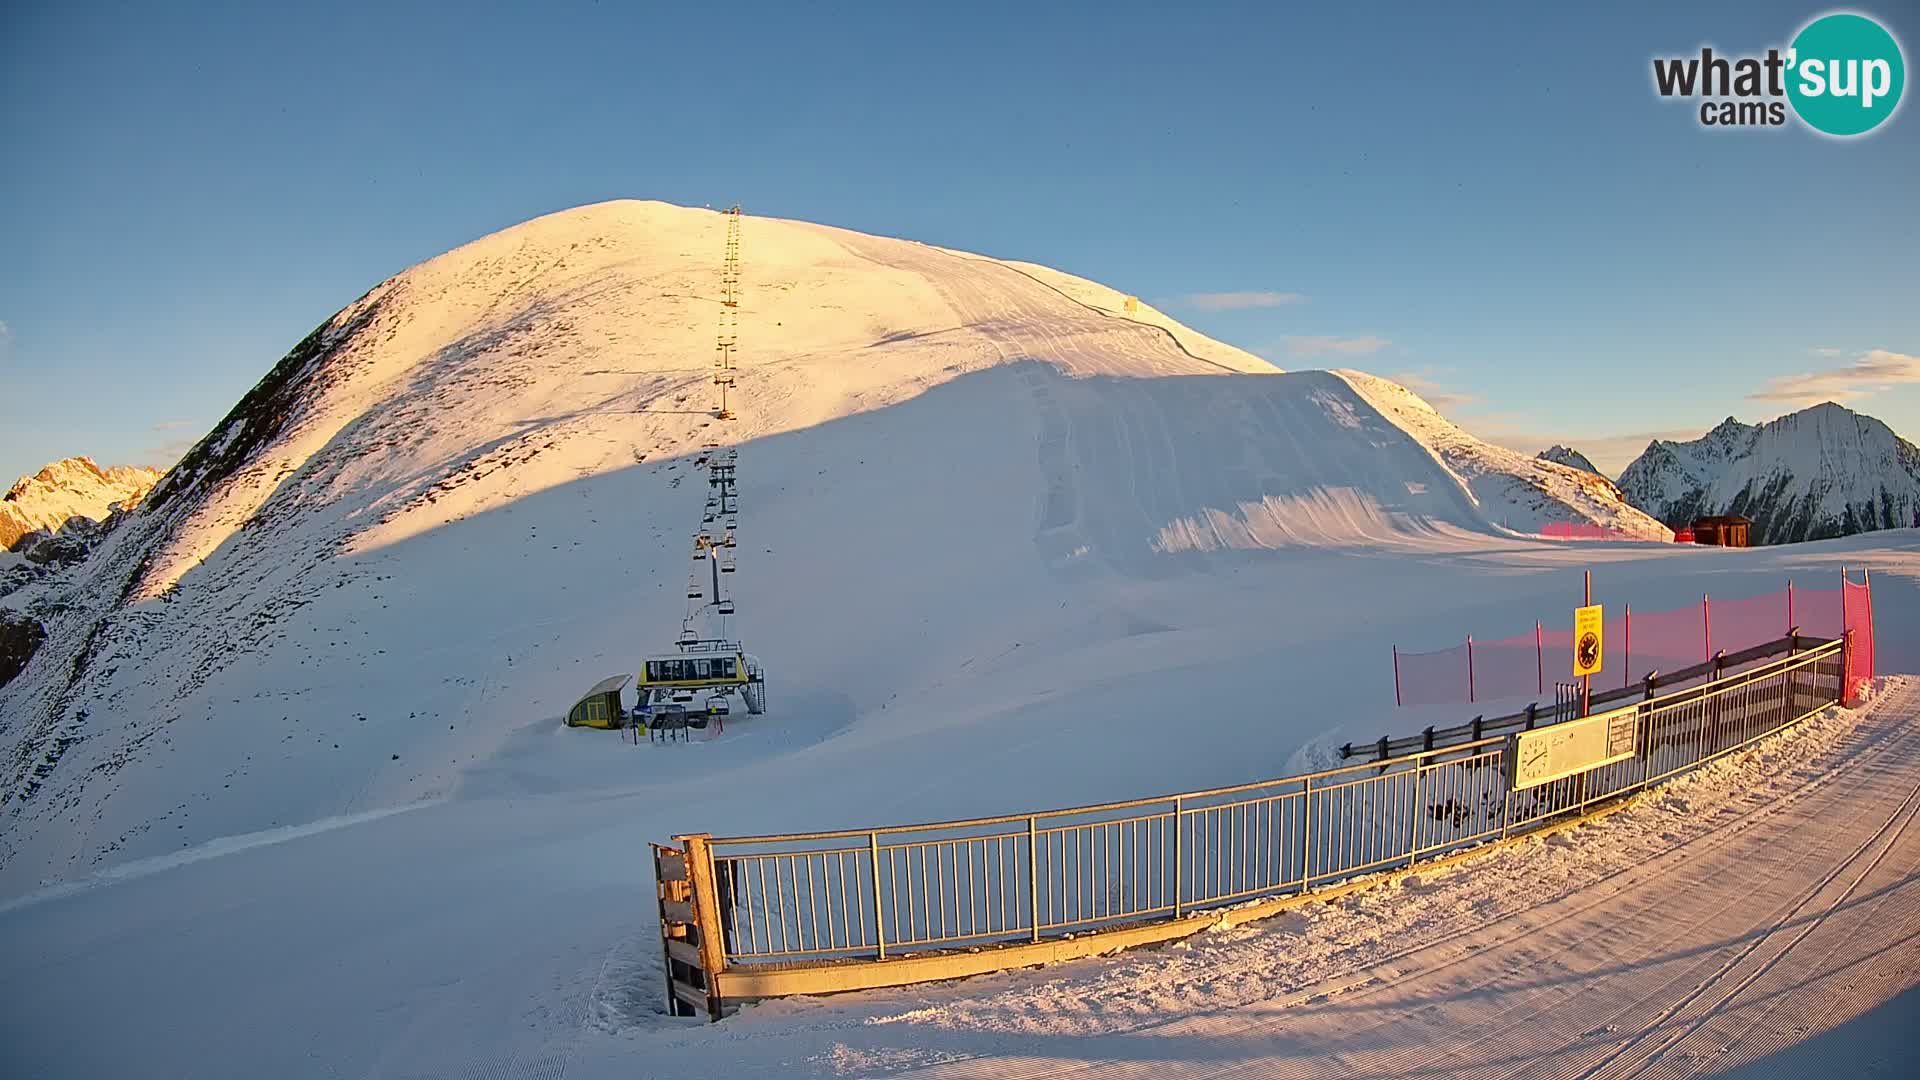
(1842,76)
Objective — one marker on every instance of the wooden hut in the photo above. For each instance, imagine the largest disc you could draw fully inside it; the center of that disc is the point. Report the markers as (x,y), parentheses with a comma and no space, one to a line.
(1725,530)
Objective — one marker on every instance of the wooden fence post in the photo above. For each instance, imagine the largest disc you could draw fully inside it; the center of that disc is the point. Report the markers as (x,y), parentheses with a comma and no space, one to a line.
(706,914)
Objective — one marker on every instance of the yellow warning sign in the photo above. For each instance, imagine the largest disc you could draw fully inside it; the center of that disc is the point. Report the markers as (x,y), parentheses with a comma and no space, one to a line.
(1587,633)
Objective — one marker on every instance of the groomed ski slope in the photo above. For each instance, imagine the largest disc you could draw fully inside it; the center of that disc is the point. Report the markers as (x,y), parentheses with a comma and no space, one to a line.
(507,932)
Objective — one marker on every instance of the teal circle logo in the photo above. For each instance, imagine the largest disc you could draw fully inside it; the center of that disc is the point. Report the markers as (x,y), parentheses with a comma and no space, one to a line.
(1845,74)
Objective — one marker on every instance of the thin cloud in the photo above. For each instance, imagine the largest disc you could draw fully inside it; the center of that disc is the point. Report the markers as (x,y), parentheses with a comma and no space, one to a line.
(167,451)
(1442,398)
(1868,373)
(166,454)
(1320,344)
(1237,301)
(6,342)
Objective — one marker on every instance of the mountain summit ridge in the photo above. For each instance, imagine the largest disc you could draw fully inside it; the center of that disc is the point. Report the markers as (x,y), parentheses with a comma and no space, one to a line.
(1821,472)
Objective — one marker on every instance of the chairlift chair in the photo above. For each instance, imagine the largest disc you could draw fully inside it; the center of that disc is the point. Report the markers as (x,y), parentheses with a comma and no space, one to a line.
(693,592)
(726,607)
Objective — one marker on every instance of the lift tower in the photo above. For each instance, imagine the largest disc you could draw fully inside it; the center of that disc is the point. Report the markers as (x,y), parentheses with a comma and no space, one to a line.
(729,337)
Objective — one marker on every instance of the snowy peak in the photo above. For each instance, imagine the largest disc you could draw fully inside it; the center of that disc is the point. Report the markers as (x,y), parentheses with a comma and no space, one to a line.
(1566,455)
(1821,472)
(70,488)
(584,337)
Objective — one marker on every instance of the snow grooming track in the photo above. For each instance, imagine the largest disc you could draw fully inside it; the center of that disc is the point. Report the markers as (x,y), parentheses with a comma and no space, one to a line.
(1759,902)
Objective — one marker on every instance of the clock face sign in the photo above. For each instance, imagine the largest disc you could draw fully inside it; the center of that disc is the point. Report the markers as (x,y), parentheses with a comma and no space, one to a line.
(1588,649)
(1589,657)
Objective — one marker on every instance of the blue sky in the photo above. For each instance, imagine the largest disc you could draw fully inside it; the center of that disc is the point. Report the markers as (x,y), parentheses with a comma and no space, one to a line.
(1495,208)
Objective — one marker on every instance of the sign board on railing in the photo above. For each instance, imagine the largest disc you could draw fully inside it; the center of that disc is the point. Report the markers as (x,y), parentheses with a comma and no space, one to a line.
(1563,749)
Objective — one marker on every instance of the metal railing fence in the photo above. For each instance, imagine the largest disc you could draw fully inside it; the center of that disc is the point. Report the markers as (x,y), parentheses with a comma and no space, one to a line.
(1535,714)
(809,898)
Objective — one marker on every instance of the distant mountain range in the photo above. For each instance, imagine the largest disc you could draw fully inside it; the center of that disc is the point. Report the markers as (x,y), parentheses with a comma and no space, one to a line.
(1821,472)
(1566,455)
(74,487)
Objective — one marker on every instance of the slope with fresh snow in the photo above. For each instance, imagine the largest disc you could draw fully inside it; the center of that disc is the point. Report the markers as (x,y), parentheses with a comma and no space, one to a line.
(507,930)
(1821,472)
(1520,492)
(72,487)
(972,490)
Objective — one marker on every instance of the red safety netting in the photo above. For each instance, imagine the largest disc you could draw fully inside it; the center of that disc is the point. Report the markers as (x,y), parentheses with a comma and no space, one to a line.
(1819,612)
(1734,625)
(1508,668)
(1664,641)
(1857,600)
(1432,678)
(1557,646)
(1636,644)
(1582,530)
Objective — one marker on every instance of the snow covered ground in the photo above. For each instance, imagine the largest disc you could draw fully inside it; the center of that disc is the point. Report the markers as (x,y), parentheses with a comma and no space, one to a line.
(507,931)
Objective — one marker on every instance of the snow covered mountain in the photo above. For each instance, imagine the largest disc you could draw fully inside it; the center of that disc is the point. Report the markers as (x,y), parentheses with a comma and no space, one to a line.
(1566,455)
(74,487)
(1821,472)
(967,484)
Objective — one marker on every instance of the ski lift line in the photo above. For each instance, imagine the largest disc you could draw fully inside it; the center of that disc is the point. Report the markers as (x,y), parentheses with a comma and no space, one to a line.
(720,511)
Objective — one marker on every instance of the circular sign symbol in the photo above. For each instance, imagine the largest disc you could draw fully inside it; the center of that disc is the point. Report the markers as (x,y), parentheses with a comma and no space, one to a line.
(1845,74)
(1589,651)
